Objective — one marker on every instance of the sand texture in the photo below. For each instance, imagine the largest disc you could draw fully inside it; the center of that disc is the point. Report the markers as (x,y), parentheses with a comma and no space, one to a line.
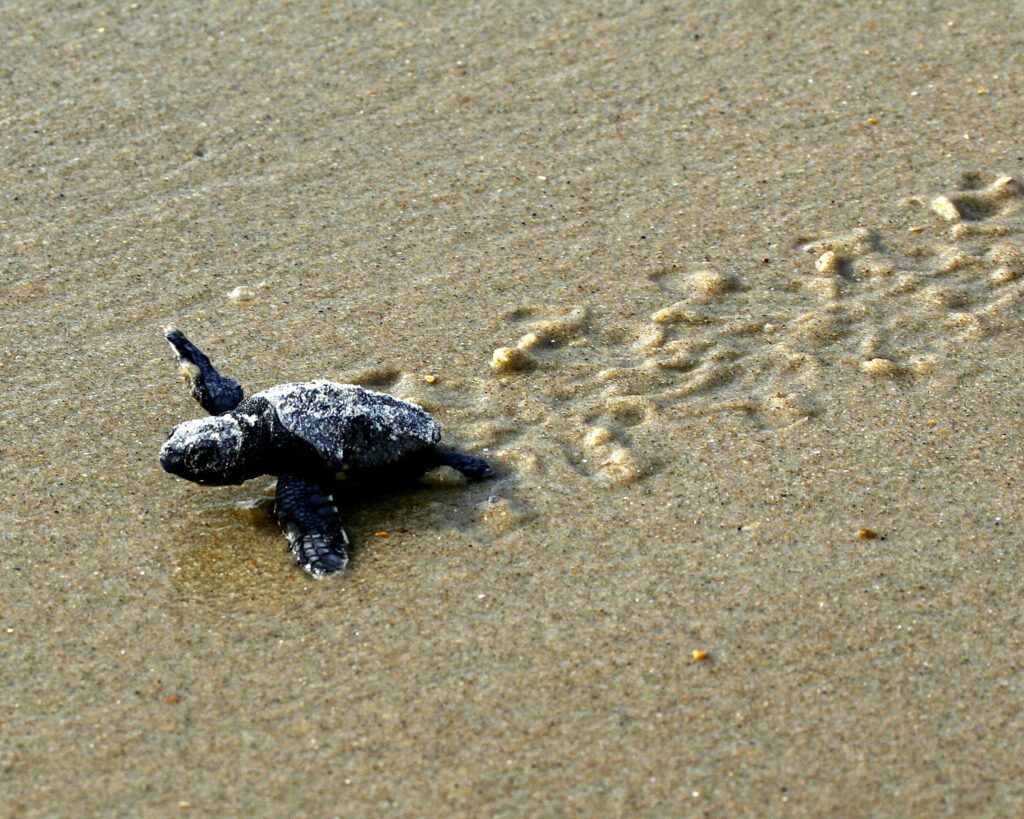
(730,294)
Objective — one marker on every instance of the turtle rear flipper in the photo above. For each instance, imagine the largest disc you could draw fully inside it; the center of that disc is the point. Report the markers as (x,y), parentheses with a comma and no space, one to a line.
(475,469)
(215,393)
(309,518)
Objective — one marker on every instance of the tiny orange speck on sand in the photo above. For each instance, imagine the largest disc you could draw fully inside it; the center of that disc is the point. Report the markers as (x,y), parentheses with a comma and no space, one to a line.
(867,534)
(380,534)
(697,654)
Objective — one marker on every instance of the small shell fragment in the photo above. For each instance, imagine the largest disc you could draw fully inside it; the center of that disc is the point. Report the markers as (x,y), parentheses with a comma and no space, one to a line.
(242,293)
(510,359)
(711,283)
(828,263)
(946,208)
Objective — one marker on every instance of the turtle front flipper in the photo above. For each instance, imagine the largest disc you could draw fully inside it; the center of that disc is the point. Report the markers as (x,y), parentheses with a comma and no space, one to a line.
(309,518)
(215,393)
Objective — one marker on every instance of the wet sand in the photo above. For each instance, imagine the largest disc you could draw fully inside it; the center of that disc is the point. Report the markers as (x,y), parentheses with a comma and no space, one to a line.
(730,295)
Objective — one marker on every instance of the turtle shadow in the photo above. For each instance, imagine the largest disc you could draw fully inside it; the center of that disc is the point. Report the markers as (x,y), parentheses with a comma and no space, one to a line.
(228,551)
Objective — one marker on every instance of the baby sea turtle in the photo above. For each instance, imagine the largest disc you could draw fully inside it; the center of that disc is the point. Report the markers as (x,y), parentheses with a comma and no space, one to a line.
(312,436)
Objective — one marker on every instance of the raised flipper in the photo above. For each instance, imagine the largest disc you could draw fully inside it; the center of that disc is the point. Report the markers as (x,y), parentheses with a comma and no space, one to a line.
(475,469)
(215,393)
(309,518)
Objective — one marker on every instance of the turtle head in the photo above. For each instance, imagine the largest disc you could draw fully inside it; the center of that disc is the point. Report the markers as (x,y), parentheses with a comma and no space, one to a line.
(211,450)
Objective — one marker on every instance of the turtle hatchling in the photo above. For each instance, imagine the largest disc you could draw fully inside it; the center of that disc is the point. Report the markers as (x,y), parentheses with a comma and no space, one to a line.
(313,436)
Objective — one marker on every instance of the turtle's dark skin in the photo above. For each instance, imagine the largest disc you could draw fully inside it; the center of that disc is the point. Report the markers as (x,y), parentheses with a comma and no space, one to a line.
(312,436)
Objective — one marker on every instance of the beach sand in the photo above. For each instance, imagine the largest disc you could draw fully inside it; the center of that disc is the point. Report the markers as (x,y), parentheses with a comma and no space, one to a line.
(729,293)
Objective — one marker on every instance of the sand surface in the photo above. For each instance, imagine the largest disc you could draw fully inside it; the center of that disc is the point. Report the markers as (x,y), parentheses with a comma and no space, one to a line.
(730,293)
